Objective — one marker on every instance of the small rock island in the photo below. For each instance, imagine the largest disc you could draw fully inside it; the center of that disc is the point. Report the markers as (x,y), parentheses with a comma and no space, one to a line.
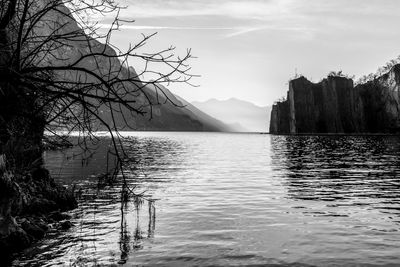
(336,106)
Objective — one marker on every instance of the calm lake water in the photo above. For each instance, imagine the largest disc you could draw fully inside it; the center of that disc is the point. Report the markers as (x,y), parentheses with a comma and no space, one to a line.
(234,199)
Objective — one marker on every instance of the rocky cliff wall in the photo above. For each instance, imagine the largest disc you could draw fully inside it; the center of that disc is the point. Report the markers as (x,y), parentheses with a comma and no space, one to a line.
(381,102)
(280,118)
(335,105)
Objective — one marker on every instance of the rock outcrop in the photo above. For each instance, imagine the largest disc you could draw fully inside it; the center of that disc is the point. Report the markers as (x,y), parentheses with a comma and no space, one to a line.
(336,106)
(279,122)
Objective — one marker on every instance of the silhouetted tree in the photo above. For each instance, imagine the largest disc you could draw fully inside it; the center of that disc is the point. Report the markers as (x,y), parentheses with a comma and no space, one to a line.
(380,72)
(60,71)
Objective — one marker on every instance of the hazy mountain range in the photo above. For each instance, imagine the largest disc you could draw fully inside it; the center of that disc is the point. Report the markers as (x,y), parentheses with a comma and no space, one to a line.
(241,115)
(175,114)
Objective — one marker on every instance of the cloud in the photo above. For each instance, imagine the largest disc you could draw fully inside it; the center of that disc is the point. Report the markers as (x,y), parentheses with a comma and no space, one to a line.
(261,10)
(155,27)
(243,31)
(256,9)
(302,20)
(237,31)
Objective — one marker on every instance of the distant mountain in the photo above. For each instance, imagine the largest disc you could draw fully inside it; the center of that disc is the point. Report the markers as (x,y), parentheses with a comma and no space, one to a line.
(172,114)
(243,116)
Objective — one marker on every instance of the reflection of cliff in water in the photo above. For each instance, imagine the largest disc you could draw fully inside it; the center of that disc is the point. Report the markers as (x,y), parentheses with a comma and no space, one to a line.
(350,170)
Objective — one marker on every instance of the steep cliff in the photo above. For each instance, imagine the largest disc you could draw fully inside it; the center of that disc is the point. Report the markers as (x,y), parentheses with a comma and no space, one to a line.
(334,105)
(381,102)
(280,122)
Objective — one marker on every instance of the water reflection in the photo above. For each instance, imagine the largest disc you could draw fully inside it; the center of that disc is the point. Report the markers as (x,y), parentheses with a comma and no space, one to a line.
(152,219)
(345,170)
(127,244)
(235,199)
(122,213)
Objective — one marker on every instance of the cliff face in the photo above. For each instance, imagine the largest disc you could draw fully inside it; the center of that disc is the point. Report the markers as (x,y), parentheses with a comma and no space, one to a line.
(381,102)
(280,118)
(334,105)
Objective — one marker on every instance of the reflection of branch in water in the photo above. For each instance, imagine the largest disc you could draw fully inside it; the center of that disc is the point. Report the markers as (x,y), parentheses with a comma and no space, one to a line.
(124,236)
(138,235)
(152,219)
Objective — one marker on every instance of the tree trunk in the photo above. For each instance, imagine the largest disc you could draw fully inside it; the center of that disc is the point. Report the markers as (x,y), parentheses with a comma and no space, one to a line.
(21,128)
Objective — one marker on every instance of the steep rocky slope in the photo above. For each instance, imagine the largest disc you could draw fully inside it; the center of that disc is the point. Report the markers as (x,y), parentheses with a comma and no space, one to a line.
(335,105)
(159,114)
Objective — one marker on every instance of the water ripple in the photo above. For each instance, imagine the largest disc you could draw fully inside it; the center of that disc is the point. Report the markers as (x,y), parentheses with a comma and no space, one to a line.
(235,199)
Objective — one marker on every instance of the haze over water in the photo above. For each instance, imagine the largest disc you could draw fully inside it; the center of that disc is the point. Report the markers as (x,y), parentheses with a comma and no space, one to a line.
(235,199)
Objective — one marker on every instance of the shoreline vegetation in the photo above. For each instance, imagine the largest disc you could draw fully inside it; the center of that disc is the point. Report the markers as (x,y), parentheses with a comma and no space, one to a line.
(33,203)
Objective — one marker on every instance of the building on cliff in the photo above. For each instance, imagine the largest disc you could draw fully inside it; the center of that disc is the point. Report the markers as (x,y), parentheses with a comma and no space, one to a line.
(335,105)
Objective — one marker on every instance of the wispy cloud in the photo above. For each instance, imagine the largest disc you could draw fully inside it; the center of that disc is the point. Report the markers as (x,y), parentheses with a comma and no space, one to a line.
(261,10)
(155,27)
(234,31)
(256,9)
(304,33)
(238,17)
(243,31)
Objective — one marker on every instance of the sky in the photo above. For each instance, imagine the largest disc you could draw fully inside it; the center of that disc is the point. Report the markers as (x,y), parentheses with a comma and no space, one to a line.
(250,49)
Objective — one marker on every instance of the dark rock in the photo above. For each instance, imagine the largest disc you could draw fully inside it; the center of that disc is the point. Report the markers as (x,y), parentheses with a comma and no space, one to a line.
(30,198)
(32,229)
(59,216)
(43,225)
(40,173)
(12,238)
(280,120)
(65,225)
(41,206)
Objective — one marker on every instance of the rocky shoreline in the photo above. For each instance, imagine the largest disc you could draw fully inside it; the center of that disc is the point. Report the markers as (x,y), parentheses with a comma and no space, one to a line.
(30,205)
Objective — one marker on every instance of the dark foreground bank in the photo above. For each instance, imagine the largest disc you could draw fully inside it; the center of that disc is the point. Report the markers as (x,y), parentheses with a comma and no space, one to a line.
(30,205)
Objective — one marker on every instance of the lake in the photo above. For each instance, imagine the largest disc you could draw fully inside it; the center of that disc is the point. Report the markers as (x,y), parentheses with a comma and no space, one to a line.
(232,199)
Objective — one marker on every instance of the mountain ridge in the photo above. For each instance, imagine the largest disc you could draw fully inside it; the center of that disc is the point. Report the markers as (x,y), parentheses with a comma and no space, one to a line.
(157,115)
